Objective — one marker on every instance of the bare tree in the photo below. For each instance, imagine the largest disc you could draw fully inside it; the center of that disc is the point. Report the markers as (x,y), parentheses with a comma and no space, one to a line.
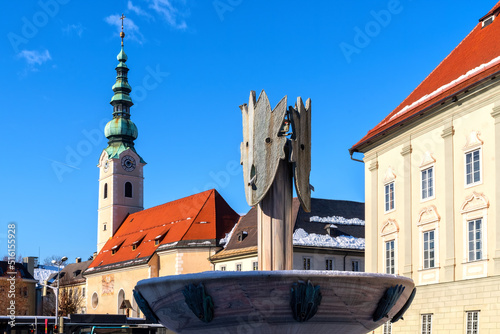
(48,260)
(71,301)
(19,258)
(49,304)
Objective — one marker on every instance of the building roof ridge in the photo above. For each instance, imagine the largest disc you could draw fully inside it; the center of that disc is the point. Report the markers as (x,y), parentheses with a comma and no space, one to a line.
(401,106)
(473,60)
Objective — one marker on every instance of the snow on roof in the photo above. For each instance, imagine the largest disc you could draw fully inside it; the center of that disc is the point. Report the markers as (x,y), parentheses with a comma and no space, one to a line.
(445,87)
(41,274)
(337,220)
(224,241)
(302,238)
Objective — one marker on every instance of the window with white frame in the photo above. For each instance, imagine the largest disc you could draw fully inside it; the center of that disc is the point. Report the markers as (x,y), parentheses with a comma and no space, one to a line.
(474,228)
(238,267)
(389,196)
(390,267)
(472,325)
(223,268)
(387,328)
(307,263)
(473,167)
(355,265)
(255,265)
(426,324)
(329,264)
(427,183)
(428,248)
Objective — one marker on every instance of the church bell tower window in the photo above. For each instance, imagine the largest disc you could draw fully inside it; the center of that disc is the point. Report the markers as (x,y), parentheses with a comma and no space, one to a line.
(128,189)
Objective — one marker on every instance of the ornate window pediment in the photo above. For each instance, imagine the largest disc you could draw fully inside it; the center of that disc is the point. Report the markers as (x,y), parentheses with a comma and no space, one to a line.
(427,160)
(390,226)
(476,201)
(390,175)
(428,215)
(473,141)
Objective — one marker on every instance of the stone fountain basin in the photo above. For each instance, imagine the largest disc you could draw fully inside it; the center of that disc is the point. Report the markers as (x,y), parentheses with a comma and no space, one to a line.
(259,301)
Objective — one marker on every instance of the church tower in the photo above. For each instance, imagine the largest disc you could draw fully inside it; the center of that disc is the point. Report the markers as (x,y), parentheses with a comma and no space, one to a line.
(120,166)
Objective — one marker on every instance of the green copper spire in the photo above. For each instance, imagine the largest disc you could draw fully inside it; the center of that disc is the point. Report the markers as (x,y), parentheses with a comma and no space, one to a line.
(121,131)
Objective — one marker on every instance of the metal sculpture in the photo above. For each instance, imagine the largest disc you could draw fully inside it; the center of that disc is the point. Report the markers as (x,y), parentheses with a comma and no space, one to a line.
(405,307)
(199,302)
(276,147)
(305,299)
(387,302)
(265,143)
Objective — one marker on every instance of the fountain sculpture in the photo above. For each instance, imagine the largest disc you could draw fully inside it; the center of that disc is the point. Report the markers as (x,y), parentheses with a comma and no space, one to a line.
(276,148)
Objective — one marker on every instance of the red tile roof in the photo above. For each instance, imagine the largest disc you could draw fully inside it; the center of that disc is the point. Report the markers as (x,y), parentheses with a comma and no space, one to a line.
(205,216)
(471,62)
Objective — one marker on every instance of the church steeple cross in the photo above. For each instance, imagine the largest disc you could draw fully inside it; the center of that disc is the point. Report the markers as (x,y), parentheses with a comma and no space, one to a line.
(122,34)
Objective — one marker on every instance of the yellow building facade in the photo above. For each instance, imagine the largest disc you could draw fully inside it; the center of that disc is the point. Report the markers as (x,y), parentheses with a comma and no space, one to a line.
(432,191)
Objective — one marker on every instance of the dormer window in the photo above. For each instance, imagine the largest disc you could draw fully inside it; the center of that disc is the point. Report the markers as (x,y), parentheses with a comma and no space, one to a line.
(116,247)
(242,235)
(330,228)
(159,238)
(489,20)
(136,243)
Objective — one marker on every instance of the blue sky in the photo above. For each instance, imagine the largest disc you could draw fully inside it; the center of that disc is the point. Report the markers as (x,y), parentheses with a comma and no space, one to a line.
(192,63)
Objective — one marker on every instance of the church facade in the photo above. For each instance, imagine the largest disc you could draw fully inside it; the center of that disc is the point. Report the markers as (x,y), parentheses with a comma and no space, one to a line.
(432,180)
(132,243)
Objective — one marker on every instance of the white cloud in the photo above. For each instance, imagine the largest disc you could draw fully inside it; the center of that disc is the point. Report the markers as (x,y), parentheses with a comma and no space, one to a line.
(33,57)
(171,14)
(74,28)
(138,10)
(130,28)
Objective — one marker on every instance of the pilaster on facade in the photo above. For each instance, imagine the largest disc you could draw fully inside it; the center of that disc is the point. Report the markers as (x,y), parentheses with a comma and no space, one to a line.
(407,226)
(447,132)
(448,225)
(371,233)
(494,230)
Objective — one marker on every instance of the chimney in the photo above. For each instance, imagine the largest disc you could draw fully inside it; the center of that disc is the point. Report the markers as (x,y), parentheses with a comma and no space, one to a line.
(29,264)
(78,260)
(94,255)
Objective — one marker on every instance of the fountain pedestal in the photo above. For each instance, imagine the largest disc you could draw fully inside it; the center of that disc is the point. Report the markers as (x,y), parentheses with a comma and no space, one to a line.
(260,301)
(274,223)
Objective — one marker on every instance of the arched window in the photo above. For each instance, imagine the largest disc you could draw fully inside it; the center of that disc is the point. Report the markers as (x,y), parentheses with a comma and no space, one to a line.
(95,300)
(121,298)
(105,190)
(128,189)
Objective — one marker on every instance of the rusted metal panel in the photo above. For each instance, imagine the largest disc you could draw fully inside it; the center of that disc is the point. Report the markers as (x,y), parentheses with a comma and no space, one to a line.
(301,151)
(262,147)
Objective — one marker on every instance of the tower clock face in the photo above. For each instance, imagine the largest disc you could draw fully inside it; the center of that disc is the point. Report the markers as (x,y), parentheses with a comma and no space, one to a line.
(128,163)
(106,166)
